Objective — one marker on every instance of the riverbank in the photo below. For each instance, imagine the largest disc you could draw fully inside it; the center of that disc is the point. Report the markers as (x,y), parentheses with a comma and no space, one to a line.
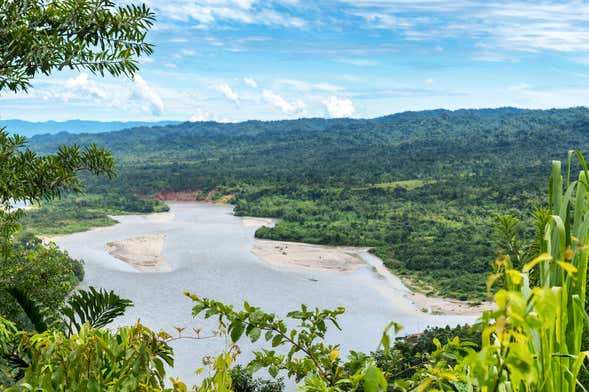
(145,254)
(296,255)
(191,196)
(448,306)
(344,259)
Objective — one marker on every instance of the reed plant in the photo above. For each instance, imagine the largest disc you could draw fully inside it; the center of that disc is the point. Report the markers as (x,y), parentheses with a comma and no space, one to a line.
(532,341)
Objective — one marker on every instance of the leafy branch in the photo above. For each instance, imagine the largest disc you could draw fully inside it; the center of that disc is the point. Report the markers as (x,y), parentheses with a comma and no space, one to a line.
(38,37)
(307,355)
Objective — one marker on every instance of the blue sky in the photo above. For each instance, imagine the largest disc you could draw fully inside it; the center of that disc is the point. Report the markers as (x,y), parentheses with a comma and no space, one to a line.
(233,60)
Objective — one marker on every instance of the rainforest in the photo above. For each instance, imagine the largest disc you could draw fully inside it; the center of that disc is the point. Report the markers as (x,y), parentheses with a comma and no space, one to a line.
(414,187)
(331,247)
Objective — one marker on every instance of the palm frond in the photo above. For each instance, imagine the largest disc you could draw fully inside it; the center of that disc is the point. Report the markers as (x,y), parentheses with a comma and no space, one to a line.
(97,308)
(37,315)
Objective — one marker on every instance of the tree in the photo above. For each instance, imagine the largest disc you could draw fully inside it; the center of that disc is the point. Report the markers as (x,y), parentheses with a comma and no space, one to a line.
(86,309)
(28,177)
(40,36)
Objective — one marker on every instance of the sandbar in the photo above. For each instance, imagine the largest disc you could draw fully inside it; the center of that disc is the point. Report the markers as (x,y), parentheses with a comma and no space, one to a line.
(294,255)
(297,255)
(143,252)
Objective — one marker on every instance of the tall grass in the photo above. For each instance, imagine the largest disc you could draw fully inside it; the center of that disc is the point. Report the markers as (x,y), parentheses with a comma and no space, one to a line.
(533,341)
(566,240)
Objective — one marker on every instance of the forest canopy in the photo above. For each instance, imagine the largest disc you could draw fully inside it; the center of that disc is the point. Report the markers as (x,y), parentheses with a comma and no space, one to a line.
(422,188)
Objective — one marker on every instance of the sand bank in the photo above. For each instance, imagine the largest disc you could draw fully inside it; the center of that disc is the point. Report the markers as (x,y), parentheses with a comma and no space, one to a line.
(437,305)
(425,303)
(294,255)
(250,221)
(144,252)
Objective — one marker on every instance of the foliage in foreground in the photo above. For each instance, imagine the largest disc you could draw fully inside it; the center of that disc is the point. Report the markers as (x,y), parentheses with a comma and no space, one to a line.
(42,37)
(130,359)
(46,274)
(531,341)
(76,332)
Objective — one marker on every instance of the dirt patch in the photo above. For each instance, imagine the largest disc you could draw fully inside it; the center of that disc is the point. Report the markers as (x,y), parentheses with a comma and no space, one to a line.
(210,197)
(176,196)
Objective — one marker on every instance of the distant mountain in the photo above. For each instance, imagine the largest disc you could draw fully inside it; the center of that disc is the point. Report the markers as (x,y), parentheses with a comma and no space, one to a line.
(351,152)
(26,128)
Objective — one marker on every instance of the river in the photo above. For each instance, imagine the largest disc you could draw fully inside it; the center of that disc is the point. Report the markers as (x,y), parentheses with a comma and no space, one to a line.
(209,251)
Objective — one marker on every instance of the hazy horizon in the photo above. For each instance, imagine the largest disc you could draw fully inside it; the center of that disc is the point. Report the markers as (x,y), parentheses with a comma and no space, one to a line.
(158,121)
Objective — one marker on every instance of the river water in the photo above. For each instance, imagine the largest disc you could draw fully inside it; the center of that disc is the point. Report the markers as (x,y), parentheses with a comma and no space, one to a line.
(209,250)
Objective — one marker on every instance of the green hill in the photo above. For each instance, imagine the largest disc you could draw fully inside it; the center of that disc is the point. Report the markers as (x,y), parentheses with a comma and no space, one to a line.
(422,188)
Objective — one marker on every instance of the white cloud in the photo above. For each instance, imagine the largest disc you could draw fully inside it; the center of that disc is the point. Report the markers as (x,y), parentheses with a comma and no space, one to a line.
(274,18)
(546,98)
(203,115)
(278,102)
(429,81)
(519,87)
(303,86)
(83,85)
(207,12)
(251,82)
(187,52)
(296,84)
(337,107)
(510,25)
(128,96)
(327,87)
(153,103)
(228,93)
(382,20)
(358,62)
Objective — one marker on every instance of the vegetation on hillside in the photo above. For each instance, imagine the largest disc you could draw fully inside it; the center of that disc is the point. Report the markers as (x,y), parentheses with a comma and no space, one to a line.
(422,188)
(46,274)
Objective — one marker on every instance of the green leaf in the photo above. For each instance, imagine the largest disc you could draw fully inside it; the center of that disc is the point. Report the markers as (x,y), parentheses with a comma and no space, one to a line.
(198,308)
(374,380)
(236,329)
(273,370)
(97,308)
(255,334)
(276,341)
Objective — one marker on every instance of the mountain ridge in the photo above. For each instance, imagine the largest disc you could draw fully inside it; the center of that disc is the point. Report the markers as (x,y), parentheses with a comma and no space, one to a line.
(30,128)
